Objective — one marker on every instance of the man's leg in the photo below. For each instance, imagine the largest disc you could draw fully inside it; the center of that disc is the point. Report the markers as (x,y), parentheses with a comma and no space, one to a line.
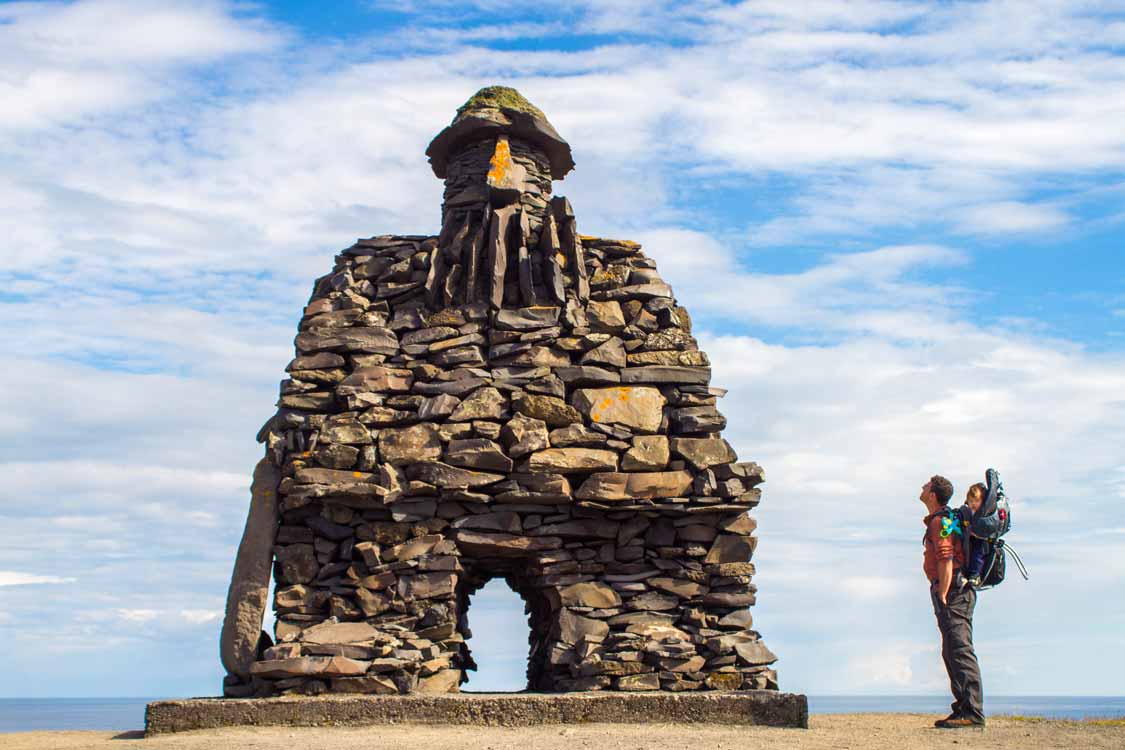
(957,639)
(940,614)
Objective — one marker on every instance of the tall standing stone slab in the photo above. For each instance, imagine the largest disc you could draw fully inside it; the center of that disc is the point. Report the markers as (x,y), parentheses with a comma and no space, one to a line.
(247,597)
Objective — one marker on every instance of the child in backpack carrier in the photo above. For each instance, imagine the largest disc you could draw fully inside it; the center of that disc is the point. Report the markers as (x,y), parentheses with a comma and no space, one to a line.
(977,550)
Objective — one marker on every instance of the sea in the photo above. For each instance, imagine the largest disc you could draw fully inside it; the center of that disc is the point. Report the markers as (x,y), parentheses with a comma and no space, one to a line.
(128,714)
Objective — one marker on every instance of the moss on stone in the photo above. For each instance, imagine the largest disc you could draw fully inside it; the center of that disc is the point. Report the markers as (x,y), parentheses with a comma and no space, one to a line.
(500,97)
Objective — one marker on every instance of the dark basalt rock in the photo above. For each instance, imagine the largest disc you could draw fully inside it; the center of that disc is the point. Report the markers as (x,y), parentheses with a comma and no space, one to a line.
(505,398)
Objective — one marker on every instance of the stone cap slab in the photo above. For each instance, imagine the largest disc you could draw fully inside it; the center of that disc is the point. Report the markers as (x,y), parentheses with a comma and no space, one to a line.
(494,111)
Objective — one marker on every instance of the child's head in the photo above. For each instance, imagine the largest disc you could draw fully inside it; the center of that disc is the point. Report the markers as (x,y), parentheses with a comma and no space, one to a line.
(975,496)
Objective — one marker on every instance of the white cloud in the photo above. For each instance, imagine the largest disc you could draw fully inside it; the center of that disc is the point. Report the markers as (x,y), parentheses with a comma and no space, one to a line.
(882,416)
(200,616)
(923,130)
(101,476)
(137,615)
(100,31)
(873,409)
(63,61)
(872,587)
(898,667)
(15,578)
(1012,217)
(843,293)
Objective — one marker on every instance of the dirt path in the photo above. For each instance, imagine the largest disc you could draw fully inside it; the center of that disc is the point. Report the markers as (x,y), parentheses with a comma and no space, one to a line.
(838,732)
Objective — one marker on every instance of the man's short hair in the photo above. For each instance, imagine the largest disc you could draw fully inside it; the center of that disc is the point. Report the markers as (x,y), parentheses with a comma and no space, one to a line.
(942,488)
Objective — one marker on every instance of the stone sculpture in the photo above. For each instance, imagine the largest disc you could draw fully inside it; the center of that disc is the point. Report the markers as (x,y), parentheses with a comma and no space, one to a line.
(511,399)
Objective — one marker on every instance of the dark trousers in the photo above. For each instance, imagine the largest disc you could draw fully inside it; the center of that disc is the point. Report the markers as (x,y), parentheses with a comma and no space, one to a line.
(955,621)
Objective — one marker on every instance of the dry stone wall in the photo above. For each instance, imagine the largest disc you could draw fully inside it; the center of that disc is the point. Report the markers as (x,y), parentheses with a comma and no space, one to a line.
(456,412)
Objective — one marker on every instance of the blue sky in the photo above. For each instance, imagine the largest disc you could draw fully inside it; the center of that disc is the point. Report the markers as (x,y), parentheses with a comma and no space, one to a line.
(898,227)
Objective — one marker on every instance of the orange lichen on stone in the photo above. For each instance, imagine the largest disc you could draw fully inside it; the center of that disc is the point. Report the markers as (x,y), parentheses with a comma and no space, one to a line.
(501,163)
(635,407)
(618,394)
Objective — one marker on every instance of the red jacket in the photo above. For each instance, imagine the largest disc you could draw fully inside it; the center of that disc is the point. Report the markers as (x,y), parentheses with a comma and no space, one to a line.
(936,547)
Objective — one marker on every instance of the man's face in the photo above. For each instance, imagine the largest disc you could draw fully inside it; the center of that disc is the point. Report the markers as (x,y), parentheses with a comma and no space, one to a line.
(927,492)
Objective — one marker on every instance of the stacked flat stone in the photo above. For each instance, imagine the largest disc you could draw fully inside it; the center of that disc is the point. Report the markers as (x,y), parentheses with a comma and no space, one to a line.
(431,437)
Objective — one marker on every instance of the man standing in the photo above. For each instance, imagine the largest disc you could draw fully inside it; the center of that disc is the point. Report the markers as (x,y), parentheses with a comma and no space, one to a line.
(953,603)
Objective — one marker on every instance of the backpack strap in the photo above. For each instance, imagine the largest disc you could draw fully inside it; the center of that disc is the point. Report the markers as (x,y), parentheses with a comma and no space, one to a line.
(966,517)
(951,523)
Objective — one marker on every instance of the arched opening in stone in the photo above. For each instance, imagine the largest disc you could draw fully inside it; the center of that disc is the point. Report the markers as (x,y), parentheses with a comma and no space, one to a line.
(497,619)
(505,622)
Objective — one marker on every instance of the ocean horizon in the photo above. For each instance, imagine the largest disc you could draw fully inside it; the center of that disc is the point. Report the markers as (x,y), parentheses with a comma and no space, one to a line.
(124,714)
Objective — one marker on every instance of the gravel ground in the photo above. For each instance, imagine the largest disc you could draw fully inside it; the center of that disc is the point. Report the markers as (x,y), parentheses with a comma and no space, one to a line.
(860,731)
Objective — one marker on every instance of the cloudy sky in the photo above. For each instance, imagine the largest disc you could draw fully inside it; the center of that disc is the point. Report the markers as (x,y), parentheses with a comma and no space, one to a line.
(898,226)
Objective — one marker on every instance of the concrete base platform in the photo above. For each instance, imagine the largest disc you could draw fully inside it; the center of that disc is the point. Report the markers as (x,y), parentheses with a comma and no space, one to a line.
(763,707)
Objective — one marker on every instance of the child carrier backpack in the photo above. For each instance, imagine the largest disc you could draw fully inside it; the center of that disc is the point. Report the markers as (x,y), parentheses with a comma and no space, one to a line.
(987,526)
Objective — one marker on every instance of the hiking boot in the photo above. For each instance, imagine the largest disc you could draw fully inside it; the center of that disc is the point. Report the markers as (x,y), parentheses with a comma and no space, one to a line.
(958,724)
